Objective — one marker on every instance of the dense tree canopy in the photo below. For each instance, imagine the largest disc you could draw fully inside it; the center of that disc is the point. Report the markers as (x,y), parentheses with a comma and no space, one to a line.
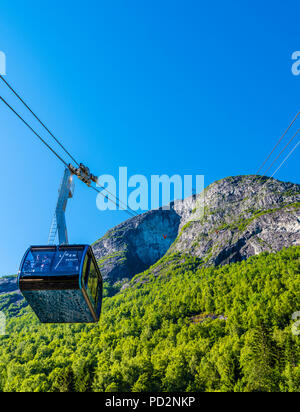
(147,341)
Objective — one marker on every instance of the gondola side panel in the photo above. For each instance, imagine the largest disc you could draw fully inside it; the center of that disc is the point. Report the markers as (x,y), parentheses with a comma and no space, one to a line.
(59,306)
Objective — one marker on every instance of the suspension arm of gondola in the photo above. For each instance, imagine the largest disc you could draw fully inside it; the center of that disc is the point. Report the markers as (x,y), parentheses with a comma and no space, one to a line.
(83,173)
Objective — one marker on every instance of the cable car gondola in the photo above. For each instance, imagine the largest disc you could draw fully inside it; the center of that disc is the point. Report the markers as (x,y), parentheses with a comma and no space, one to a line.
(62,284)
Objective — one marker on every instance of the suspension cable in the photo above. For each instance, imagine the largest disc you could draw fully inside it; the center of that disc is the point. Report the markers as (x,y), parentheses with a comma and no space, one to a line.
(289,142)
(125,210)
(38,119)
(133,213)
(284,134)
(287,157)
(29,127)
(50,148)
(279,167)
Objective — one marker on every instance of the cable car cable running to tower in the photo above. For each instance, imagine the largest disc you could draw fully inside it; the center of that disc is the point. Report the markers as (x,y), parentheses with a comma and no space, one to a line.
(82,172)
(63,283)
(38,119)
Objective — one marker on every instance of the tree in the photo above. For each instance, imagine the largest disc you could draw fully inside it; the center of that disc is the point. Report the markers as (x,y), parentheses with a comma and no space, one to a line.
(65,381)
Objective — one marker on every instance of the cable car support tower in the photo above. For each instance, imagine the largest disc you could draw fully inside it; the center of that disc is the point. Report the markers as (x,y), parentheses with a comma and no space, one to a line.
(66,192)
(58,225)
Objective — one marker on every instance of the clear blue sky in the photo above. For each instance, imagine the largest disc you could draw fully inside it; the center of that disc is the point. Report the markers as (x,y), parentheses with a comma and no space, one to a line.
(187,87)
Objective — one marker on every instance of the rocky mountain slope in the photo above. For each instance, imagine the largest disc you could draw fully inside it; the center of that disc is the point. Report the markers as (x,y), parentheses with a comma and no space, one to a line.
(242,216)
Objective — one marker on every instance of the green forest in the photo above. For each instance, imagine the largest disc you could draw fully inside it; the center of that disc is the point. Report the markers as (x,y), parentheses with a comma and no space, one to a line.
(177,327)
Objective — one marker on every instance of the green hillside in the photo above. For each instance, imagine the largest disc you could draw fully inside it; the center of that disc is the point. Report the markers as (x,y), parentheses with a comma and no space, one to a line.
(176,327)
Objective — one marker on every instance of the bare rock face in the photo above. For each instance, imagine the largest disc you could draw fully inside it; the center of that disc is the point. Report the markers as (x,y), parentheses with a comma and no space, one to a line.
(242,216)
(136,244)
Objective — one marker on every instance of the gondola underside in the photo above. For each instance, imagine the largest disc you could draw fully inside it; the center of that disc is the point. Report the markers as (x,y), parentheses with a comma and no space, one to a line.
(59,306)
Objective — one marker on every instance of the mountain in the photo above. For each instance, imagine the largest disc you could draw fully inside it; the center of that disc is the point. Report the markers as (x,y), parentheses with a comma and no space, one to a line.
(242,216)
(187,306)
